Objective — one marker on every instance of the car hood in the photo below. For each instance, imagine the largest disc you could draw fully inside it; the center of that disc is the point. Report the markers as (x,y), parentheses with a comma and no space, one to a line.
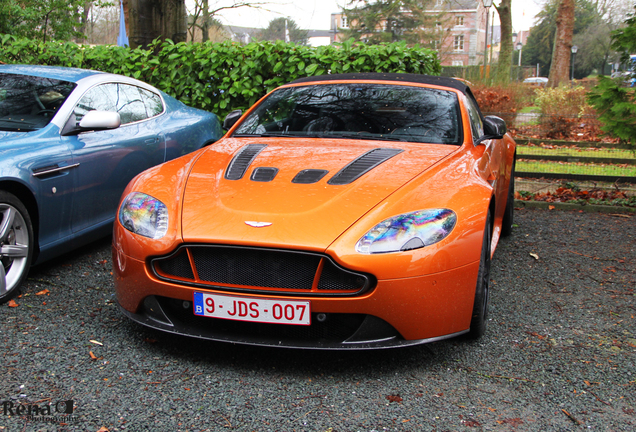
(220,207)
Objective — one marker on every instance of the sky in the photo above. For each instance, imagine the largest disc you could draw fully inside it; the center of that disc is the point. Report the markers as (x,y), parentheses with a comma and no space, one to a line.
(316,14)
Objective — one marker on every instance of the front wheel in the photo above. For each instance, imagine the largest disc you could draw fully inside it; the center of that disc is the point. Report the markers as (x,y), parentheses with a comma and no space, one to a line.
(482,290)
(508,218)
(16,245)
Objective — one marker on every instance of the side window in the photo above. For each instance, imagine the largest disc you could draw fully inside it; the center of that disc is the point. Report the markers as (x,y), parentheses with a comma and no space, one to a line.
(131,102)
(102,97)
(130,106)
(154,105)
(475,119)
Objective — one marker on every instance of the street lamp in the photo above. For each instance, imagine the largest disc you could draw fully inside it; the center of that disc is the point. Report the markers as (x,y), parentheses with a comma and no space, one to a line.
(520,49)
(574,50)
(487,4)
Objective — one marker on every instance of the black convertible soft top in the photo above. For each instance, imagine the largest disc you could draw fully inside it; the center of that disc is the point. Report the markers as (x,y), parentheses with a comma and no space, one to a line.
(399,77)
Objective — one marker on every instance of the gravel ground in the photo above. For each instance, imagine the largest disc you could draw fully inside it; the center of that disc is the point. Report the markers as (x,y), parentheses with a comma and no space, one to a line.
(559,353)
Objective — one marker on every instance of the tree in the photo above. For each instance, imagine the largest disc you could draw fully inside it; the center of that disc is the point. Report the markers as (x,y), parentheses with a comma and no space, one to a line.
(615,103)
(504,64)
(203,14)
(279,28)
(43,19)
(591,35)
(560,66)
(391,21)
(152,19)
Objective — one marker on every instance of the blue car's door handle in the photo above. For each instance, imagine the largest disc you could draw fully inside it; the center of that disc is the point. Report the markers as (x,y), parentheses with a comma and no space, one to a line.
(38,172)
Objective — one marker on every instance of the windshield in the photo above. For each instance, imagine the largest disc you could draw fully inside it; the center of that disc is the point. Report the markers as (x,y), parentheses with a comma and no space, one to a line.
(362,111)
(29,103)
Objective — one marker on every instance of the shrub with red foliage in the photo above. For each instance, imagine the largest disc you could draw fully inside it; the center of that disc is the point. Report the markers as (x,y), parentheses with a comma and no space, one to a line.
(502,99)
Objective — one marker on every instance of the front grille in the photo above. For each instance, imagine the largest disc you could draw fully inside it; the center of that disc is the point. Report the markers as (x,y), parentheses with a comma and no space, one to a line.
(259,270)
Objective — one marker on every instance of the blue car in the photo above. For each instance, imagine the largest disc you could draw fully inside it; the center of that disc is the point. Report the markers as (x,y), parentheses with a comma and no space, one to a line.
(70,141)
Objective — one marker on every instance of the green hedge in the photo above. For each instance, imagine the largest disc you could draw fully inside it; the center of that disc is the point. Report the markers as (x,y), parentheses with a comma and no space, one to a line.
(220,77)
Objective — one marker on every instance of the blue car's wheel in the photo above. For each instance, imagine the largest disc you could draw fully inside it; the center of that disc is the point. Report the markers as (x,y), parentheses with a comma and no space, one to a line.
(16,245)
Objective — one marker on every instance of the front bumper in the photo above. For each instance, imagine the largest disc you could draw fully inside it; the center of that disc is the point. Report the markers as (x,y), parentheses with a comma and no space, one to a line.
(397,312)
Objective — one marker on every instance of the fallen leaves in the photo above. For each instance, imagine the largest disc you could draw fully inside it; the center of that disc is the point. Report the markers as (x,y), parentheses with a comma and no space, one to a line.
(514,422)
(592,196)
(12,303)
(394,398)
(571,417)
(43,292)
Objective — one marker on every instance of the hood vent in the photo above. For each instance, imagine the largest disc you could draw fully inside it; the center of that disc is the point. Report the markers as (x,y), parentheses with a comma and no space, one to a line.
(263,174)
(309,176)
(243,159)
(365,163)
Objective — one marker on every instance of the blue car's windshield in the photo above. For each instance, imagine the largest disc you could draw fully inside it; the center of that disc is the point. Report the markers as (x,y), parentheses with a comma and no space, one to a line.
(359,111)
(29,103)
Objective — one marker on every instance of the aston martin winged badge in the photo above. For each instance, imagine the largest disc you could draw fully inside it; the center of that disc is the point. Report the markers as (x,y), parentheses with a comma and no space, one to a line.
(258,224)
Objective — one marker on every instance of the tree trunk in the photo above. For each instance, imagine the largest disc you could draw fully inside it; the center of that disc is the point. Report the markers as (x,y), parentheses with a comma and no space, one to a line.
(504,65)
(205,27)
(560,67)
(152,19)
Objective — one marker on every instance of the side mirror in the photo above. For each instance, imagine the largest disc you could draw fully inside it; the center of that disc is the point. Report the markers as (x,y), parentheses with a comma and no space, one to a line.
(100,120)
(494,127)
(231,118)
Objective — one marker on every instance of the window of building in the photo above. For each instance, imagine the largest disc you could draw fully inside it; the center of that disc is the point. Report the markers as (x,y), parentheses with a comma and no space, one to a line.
(344,23)
(459,20)
(458,63)
(458,43)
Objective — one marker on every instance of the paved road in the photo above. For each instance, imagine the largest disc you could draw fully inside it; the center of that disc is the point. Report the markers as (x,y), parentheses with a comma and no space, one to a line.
(559,354)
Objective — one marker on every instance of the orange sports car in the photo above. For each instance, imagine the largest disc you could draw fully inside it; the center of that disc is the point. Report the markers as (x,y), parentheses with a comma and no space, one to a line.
(349,211)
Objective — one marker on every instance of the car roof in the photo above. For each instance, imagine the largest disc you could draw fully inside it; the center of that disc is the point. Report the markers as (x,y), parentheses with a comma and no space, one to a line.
(394,77)
(53,72)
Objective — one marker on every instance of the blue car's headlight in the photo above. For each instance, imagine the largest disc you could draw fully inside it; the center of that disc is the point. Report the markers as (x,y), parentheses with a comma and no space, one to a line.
(408,231)
(144,215)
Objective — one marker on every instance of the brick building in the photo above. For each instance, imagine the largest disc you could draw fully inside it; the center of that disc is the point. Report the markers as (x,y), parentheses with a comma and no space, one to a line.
(459,35)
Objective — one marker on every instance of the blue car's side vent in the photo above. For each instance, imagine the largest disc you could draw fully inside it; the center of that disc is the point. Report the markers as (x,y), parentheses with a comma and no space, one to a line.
(243,159)
(309,176)
(365,163)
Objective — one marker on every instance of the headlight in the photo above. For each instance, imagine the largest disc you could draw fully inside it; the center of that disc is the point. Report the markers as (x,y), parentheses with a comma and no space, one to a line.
(144,215)
(408,231)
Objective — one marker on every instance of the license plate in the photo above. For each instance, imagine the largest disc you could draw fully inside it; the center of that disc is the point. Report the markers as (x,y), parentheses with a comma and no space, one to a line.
(252,309)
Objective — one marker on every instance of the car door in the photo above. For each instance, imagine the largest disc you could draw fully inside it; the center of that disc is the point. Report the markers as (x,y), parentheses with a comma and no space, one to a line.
(108,159)
(51,168)
(491,165)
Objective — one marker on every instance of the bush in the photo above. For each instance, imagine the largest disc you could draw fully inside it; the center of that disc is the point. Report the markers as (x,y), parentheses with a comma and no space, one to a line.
(502,99)
(617,109)
(221,77)
(561,109)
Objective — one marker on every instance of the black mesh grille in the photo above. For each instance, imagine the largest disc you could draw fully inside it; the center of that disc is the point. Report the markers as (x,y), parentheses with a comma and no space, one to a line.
(336,328)
(247,269)
(263,174)
(363,164)
(254,267)
(333,278)
(241,162)
(309,176)
(177,265)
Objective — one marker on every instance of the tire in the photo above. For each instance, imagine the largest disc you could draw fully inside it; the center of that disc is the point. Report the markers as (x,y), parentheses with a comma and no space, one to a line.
(509,212)
(16,245)
(482,290)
